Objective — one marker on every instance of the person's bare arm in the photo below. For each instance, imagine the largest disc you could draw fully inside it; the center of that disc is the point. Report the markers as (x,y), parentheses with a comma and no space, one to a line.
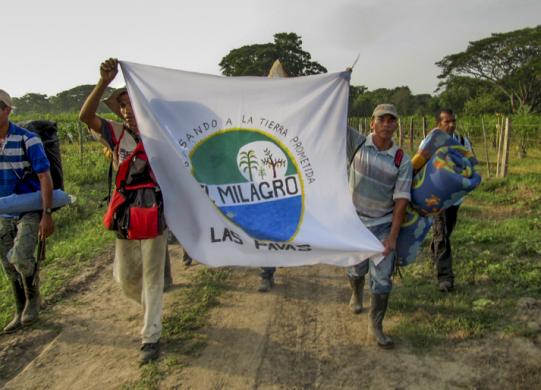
(399,211)
(87,115)
(46,225)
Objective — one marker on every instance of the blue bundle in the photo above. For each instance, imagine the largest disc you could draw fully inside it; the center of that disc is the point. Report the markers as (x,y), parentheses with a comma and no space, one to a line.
(22,203)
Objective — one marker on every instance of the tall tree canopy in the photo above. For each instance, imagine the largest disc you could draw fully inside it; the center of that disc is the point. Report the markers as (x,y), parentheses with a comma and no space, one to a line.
(70,100)
(509,61)
(257,59)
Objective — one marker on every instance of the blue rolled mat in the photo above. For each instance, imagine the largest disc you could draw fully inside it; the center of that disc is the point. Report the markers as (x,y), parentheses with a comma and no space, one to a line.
(447,177)
(21,203)
(412,234)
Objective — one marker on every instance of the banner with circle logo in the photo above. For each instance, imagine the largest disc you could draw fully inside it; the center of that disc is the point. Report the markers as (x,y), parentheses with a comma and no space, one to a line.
(252,169)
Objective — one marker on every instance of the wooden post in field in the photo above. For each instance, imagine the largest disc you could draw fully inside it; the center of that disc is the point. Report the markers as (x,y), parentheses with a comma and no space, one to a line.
(81,150)
(424,127)
(411,133)
(506,147)
(499,147)
(360,125)
(485,144)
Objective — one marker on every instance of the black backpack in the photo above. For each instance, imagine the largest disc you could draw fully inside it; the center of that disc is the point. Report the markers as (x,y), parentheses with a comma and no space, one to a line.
(47,132)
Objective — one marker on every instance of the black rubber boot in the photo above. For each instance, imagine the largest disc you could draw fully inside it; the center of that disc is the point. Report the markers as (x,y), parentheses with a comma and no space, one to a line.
(356,301)
(20,300)
(266,284)
(31,309)
(377,313)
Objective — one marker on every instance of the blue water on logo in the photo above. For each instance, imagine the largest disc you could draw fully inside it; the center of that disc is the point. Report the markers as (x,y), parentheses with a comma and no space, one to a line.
(275,220)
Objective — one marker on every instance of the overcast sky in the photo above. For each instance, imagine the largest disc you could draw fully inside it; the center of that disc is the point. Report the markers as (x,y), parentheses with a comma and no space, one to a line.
(50,46)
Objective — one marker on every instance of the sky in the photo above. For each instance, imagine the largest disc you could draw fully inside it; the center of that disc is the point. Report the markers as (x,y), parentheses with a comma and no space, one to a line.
(55,45)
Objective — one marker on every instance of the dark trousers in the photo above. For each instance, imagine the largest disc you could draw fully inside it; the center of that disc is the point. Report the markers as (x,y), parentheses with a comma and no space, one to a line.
(267,272)
(443,226)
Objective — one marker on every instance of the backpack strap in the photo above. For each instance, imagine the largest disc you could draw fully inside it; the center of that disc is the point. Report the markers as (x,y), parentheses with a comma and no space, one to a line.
(355,152)
(117,145)
(399,155)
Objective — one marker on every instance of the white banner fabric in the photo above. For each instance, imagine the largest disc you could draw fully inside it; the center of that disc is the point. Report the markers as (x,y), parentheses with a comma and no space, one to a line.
(252,170)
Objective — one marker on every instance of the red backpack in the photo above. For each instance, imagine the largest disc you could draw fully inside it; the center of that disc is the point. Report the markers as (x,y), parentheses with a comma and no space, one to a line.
(135,211)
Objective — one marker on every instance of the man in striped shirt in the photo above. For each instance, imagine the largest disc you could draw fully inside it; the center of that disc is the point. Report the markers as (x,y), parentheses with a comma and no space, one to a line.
(380,180)
(24,168)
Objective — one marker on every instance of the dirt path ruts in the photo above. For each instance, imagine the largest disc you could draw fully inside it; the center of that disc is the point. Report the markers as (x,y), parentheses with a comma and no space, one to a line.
(301,335)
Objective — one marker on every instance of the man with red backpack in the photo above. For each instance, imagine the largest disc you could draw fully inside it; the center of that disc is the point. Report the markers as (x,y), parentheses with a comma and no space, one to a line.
(135,210)
(380,176)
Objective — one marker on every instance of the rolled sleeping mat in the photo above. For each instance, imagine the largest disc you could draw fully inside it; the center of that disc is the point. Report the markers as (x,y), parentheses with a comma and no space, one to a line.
(22,203)
(447,177)
(412,234)
(436,139)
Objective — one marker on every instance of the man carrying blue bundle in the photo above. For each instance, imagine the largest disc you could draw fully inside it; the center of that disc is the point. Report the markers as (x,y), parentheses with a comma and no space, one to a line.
(24,168)
(445,222)
(380,176)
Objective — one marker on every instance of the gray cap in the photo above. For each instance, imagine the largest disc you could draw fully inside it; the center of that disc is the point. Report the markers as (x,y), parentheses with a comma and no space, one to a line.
(385,109)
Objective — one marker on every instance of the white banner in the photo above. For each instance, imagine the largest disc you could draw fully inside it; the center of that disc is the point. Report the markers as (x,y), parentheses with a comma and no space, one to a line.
(252,170)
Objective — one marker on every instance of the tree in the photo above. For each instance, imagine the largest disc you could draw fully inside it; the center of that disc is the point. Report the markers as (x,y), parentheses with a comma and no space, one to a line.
(72,99)
(65,101)
(32,103)
(272,162)
(484,104)
(509,61)
(257,59)
(354,92)
(248,161)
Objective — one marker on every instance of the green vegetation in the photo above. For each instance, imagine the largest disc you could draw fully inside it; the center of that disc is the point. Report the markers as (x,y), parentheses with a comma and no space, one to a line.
(257,59)
(496,251)
(70,100)
(507,64)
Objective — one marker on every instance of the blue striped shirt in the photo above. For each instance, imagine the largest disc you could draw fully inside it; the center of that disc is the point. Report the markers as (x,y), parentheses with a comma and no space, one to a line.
(14,160)
(374,180)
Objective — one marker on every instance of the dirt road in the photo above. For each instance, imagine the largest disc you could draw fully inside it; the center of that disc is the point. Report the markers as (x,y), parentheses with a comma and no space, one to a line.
(299,336)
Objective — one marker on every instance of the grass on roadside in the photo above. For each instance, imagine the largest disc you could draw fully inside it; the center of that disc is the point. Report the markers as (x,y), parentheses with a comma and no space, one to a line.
(496,261)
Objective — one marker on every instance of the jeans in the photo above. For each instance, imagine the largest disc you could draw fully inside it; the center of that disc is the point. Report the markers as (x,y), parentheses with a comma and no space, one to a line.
(381,274)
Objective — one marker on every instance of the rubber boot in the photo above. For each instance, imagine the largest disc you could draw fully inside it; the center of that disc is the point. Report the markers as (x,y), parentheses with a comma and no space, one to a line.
(31,309)
(377,313)
(266,284)
(167,276)
(20,300)
(356,301)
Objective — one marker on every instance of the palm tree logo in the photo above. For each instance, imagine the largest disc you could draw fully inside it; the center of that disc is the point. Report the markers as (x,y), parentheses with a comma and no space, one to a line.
(248,162)
(261,160)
